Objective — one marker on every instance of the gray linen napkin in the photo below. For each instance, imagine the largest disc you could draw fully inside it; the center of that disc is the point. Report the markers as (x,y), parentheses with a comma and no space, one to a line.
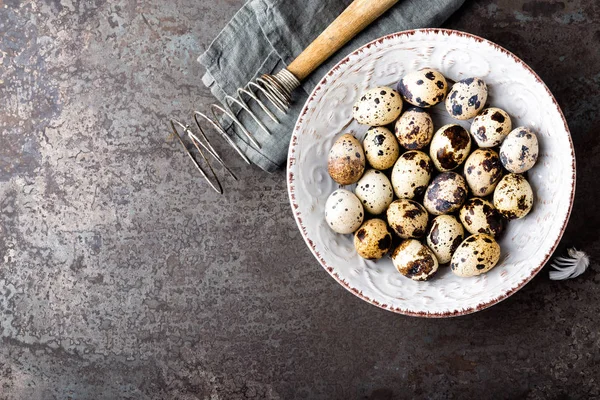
(266,35)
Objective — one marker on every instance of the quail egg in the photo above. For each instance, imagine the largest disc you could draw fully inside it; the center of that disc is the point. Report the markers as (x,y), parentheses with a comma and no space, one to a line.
(476,255)
(343,211)
(381,148)
(378,106)
(450,147)
(491,127)
(466,98)
(411,174)
(519,151)
(375,191)
(446,193)
(423,88)
(480,216)
(373,239)
(346,162)
(407,218)
(414,129)
(444,237)
(414,260)
(483,171)
(513,197)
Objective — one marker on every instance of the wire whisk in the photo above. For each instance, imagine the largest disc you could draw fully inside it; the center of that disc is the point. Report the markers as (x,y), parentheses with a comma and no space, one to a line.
(275,89)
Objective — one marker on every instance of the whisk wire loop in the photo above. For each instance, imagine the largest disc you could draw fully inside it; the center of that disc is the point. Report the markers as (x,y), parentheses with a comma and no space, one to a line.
(218,188)
(271,93)
(226,111)
(249,93)
(219,128)
(205,143)
(245,107)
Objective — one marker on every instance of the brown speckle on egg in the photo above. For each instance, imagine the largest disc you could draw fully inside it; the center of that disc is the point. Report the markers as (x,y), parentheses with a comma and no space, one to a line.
(450,147)
(519,151)
(480,216)
(343,211)
(381,148)
(466,98)
(423,88)
(346,162)
(411,174)
(445,235)
(374,189)
(483,171)
(415,260)
(373,240)
(446,193)
(414,129)
(476,255)
(378,106)
(407,218)
(513,196)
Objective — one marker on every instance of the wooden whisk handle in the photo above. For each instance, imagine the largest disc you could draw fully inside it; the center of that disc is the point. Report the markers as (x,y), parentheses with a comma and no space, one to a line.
(356,17)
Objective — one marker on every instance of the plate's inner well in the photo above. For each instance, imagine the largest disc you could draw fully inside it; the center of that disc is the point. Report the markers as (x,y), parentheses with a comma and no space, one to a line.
(526,244)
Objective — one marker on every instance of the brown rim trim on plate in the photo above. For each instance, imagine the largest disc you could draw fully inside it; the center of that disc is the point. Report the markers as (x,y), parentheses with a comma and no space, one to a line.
(310,243)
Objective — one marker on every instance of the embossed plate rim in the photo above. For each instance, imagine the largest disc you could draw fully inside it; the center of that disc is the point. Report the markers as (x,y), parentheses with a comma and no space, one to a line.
(310,242)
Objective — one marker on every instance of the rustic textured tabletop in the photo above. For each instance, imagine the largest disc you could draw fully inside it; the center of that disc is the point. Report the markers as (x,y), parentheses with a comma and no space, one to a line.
(122,275)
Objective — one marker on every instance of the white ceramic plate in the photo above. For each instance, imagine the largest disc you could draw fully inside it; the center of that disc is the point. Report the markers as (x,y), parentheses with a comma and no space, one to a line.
(513,86)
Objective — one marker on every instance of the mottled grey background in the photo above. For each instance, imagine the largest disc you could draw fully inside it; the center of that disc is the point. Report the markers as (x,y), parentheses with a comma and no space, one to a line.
(124,276)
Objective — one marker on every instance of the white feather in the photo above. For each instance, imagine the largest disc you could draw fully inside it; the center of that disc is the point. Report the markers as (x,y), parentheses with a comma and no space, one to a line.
(569,267)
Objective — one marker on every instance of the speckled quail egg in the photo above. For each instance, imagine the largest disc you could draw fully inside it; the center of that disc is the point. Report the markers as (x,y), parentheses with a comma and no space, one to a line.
(407,218)
(513,197)
(480,216)
(346,162)
(373,239)
(450,147)
(483,171)
(491,127)
(446,193)
(466,98)
(343,211)
(414,129)
(381,148)
(411,174)
(423,88)
(415,260)
(444,237)
(476,255)
(375,191)
(519,151)
(378,106)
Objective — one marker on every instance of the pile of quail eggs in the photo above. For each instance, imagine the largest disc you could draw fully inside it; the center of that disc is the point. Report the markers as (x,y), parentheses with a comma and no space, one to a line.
(436,196)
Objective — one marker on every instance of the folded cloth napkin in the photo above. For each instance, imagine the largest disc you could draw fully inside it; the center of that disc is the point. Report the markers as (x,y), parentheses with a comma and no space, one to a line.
(266,35)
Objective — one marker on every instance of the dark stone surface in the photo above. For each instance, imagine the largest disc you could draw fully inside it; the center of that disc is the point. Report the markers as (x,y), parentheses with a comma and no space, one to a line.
(124,276)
